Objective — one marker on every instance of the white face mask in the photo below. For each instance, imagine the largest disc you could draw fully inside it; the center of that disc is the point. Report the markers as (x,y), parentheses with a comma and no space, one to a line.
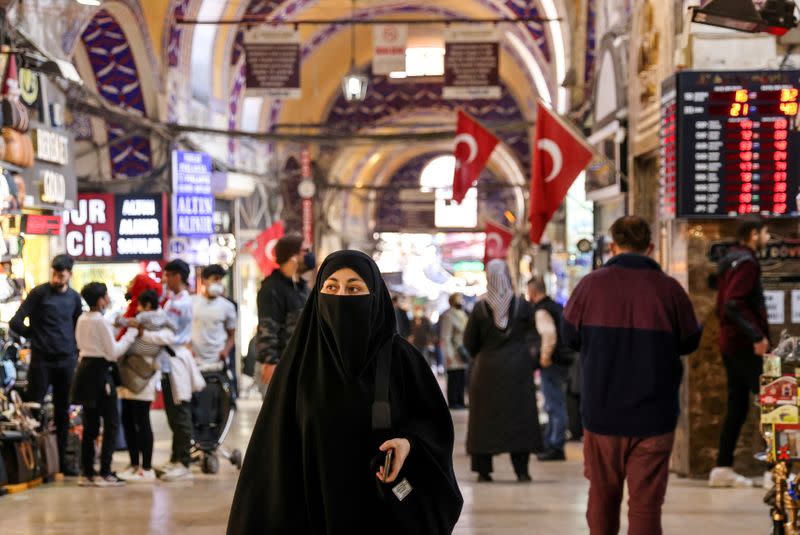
(215,289)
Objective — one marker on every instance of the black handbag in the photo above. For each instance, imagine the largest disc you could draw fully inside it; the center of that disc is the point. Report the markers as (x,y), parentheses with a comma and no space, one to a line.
(19,457)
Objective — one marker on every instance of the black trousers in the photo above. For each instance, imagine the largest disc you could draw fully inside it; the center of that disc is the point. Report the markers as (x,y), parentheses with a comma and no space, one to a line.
(743,371)
(40,378)
(138,432)
(179,417)
(105,409)
(482,463)
(456,384)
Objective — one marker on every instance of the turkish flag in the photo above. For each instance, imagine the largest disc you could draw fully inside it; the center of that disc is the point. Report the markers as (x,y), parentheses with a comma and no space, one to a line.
(558,158)
(498,241)
(473,148)
(263,248)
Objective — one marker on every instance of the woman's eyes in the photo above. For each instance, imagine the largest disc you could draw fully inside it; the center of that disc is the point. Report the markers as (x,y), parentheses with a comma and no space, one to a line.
(332,287)
(355,290)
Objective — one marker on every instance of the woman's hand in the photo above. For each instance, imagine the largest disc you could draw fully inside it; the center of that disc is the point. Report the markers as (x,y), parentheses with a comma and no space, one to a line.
(401,447)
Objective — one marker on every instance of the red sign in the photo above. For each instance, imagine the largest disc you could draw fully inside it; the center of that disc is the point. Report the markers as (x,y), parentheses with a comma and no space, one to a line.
(47,225)
(91,226)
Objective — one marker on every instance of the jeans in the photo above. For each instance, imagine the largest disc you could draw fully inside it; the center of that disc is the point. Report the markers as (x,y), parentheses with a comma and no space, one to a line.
(554,386)
(644,462)
(743,372)
(106,410)
(179,417)
(40,377)
(138,432)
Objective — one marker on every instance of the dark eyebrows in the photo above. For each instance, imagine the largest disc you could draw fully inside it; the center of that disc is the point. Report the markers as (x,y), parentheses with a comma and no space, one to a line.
(353,279)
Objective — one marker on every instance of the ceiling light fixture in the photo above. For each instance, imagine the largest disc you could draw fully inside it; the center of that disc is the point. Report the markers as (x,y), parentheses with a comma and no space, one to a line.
(354,84)
(93,3)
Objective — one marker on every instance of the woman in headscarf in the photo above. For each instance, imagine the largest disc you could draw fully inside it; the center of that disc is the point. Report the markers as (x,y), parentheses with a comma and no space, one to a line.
(503,415)
(314,464)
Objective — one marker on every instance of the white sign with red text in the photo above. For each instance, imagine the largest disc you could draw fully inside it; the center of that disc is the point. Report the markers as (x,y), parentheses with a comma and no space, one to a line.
(389,48)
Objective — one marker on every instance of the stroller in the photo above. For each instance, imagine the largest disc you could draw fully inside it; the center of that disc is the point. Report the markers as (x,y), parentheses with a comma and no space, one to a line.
(213,411)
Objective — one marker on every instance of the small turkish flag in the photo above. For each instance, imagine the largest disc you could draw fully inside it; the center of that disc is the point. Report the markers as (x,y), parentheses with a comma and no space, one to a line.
(474,147)
(263,248)
(498,241)
(559,156)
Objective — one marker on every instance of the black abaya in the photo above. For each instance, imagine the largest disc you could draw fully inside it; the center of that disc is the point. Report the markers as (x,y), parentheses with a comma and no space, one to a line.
(307,469)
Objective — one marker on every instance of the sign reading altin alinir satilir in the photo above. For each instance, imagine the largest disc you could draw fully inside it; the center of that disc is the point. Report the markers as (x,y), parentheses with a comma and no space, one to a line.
(192,197)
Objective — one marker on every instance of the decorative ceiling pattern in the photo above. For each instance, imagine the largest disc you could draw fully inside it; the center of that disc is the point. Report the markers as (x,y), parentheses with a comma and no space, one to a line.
(591,44)
(118,82)
(173,50)
(386,99)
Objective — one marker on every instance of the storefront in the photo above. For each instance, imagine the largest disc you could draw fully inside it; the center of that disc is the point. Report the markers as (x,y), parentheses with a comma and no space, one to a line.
(116,237)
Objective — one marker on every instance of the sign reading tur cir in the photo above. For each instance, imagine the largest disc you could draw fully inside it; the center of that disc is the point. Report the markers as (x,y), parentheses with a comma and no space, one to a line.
(117,227)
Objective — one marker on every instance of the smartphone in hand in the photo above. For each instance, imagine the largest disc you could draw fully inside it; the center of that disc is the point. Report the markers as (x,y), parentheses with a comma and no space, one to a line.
(387,464)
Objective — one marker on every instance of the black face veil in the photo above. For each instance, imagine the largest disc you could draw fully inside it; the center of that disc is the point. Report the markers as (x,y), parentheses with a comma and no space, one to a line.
(307,469)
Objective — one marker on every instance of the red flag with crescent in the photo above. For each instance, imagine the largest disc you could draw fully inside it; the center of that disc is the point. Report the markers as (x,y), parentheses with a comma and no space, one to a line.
(498,241)
(558,158)
(473,148)
(263,248)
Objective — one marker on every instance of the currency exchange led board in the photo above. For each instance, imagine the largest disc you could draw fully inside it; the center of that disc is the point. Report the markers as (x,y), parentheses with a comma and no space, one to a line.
(729,144)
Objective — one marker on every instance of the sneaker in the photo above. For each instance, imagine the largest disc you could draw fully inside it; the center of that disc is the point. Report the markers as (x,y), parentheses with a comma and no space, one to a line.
(178,473)
(111,480)
(161,470)
(552,455)
(140,476)
(86,481)
(724,477)
(128,473)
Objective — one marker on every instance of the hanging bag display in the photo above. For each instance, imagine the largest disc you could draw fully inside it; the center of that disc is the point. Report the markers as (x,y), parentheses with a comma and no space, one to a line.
(18,148)
(15,114)
(48,449)
(18,454)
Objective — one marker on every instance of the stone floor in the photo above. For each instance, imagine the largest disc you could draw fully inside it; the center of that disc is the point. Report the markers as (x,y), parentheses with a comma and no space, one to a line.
(553,504)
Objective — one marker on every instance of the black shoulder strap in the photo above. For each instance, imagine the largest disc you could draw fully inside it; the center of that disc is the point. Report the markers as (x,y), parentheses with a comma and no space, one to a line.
(381,408)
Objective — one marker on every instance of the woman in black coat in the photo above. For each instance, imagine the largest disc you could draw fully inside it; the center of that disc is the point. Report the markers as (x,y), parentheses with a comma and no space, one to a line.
(315,461)
(503,415)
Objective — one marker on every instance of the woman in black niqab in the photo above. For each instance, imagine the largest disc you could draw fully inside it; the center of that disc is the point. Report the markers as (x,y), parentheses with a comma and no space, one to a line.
(308,466)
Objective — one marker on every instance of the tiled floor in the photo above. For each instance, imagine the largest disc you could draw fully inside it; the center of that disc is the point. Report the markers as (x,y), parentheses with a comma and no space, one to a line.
(553,504)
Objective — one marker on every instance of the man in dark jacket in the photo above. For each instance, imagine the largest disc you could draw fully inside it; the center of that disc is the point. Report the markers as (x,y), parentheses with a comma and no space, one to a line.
(631,323)
(743,340)
(52,310)
(281,300)
(554,360)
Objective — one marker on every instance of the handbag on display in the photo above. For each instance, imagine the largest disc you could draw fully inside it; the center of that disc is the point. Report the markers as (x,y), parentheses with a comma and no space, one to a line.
(19,148)
(19,457)
(15,114)
(48,448)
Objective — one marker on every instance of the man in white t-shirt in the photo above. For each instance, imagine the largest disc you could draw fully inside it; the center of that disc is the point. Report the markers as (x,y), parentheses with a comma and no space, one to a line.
(213,321)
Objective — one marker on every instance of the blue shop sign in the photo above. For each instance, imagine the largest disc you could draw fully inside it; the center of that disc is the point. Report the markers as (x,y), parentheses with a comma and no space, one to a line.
(192,197)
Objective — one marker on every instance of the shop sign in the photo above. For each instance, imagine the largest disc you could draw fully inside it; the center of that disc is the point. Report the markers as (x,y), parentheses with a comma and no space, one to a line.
(272,61)
(45,225)
(53,189)
(774,301)
(116,227)
(389,48)
(192,197)
(51,146)
(195,252)
(471,63)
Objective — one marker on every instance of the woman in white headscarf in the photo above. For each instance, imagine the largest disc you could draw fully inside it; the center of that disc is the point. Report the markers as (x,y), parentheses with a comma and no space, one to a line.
(503,416)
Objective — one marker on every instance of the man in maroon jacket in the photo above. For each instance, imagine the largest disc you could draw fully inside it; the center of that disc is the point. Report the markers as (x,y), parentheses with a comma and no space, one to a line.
(743,340)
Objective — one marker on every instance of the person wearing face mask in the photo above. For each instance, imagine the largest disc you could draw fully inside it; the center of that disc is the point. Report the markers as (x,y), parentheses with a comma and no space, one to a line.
(453,323)
(347,391)
(280,302)
(52,310)
(94,387)
(213,321)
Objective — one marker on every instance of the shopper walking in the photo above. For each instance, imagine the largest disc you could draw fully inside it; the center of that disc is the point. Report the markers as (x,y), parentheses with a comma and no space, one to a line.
(52,311)
(137,392)
(95,388)
(213,322)
(743,340)
(180,377)
(280,302)
(453,322)
(631,322)
(315,461)
(554,361)
(503,416)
